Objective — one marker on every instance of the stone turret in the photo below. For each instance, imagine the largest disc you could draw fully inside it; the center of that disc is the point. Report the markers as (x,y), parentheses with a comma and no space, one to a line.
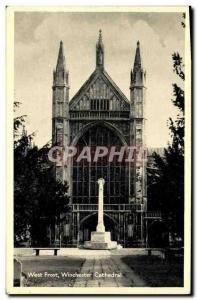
(137,115)
(60,122)
(137,86)
(137,135)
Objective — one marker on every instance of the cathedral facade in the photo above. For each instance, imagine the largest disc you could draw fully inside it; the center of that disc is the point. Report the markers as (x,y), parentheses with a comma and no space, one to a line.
(100,115)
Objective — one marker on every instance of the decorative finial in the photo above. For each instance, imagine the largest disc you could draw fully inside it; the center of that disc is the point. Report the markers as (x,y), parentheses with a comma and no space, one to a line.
(138,43)
(100,51)
(100,35)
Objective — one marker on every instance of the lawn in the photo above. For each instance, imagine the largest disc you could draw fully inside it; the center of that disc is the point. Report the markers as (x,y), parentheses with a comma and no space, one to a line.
(155,271)
(47,271)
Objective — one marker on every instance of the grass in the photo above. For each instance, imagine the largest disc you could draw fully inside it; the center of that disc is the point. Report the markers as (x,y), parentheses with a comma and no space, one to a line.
(52,265)
(155,271)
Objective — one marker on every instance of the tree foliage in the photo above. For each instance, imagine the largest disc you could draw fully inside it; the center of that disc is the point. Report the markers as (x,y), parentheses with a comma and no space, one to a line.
(37,195)
(18,120)
(166,180)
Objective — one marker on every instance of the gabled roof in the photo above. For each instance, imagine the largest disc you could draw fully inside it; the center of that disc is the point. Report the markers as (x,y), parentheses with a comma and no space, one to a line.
(105,76)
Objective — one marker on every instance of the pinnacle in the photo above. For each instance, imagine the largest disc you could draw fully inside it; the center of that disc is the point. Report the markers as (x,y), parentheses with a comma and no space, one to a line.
(61,59)
(100,42)
(100,35)
(137,62)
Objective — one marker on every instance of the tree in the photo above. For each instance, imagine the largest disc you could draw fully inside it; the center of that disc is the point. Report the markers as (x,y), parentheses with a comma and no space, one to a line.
(37,195)
(18,122)
(166,180)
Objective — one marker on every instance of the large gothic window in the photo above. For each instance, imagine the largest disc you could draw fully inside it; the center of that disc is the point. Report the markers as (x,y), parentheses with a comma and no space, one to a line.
(86,174)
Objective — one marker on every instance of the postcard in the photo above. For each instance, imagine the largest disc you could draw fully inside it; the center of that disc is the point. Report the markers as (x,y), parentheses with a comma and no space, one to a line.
(98,150)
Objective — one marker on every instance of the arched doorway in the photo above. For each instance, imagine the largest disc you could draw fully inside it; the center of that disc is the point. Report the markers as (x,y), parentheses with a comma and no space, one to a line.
(89,223)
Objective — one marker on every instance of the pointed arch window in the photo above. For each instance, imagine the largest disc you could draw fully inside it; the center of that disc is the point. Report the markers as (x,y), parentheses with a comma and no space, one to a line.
(86,174)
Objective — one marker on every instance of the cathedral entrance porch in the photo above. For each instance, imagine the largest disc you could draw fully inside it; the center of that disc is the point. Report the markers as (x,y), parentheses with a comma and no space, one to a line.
(119,219)
(89,223)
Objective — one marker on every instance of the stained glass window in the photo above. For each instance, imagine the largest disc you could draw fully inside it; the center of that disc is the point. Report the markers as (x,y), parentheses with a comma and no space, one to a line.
(86,174)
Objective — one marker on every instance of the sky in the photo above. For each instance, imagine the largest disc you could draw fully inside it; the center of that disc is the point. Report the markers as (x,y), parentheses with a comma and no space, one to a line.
(37,37)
